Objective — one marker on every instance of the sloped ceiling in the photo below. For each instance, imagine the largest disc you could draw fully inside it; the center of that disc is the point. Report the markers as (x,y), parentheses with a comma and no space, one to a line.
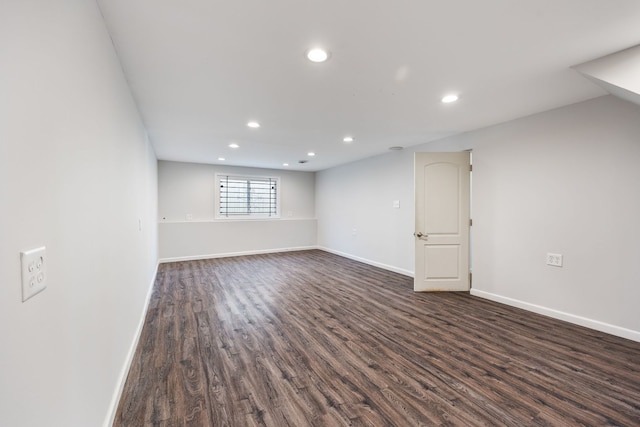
(618,73)
(201,69)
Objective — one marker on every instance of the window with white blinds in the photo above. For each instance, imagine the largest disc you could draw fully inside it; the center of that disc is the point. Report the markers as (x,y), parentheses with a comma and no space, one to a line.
(245,196)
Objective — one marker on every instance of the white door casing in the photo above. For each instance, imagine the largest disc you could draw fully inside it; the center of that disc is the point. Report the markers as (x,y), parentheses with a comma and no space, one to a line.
(442,201)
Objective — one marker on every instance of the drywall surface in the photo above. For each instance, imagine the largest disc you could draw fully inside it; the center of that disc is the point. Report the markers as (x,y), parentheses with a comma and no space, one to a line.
(78,176)
(564,181)
(187,190)
(210,239)
(356,213)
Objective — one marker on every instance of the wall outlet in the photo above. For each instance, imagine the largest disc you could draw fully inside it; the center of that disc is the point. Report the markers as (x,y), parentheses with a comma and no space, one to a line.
(396,204)
(34,272)
(354,232)
(554,260)
(189,217)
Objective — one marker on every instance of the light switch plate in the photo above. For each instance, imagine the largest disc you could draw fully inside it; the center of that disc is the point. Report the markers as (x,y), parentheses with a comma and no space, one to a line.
(34,272)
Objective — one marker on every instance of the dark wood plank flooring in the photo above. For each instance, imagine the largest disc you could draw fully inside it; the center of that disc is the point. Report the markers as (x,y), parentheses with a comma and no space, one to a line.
(313,339)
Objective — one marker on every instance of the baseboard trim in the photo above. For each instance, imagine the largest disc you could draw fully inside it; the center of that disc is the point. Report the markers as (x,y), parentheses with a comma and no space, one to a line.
(124,372)
(560,315)
(230,254)
(368,261)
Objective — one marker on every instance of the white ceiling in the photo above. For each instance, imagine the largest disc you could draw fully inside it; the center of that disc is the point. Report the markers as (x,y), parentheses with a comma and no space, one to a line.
(201,69)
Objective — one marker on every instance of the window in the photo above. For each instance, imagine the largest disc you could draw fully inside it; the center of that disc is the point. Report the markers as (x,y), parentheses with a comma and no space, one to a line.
(247,196)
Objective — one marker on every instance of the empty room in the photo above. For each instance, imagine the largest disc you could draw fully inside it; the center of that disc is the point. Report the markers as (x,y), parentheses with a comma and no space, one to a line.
(319,213)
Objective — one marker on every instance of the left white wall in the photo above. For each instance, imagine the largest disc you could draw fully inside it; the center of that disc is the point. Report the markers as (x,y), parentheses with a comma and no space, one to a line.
(77,175)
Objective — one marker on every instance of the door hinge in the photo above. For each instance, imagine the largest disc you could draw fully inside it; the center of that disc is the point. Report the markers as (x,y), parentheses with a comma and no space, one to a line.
(470,222)
(470,279)
(470,168)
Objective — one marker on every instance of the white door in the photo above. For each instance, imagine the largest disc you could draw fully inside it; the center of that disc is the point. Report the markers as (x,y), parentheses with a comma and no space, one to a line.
(442,185)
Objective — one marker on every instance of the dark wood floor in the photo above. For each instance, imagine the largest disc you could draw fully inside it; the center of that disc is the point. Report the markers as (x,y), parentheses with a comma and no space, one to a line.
(313,339)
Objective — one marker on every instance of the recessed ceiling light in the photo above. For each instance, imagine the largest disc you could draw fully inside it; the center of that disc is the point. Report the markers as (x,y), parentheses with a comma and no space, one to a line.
(285,164)
(222,159)
(253,125)
(311,154)
(449,98)
(348,139)
(233,145)
(317,55)
(396,148)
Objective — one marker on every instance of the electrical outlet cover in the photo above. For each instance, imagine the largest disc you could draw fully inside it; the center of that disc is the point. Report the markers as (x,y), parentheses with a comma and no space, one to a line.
(34,277)
(554,260)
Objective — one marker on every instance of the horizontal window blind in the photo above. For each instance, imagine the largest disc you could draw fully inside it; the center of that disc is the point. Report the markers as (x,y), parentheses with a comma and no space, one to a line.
(248,196)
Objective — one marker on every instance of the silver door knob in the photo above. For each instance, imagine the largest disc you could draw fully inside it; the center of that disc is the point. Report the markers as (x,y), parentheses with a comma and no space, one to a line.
(419,235)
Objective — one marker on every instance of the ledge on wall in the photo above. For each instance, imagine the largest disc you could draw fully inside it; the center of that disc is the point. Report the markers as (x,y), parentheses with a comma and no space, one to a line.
(232,254)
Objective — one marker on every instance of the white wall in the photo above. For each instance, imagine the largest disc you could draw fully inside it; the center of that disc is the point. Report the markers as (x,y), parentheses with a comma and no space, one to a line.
(76,175)
(189,188)
(359,196)
(564,181)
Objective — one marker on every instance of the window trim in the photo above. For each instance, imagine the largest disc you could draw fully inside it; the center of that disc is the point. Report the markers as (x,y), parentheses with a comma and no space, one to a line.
(250,217)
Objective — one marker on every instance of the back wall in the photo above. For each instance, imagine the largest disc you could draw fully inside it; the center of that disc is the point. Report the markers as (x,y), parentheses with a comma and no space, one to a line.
(188,228)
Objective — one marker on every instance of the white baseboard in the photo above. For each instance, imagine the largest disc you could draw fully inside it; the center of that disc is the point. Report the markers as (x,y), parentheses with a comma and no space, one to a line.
(368,261)
(230,254)
(567,317)
(122,378)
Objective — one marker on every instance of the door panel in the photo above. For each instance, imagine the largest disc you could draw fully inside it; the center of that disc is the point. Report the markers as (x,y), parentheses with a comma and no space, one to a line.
(442,262)
(441,204)
(442,221)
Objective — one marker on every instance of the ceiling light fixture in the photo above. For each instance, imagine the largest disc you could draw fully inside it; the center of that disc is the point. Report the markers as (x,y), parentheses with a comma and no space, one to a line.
(348,139)
(317,55)
(449,98)
(253,125)
(285,164)
(222,159)
(234,145)
(311,154)
(396,148)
